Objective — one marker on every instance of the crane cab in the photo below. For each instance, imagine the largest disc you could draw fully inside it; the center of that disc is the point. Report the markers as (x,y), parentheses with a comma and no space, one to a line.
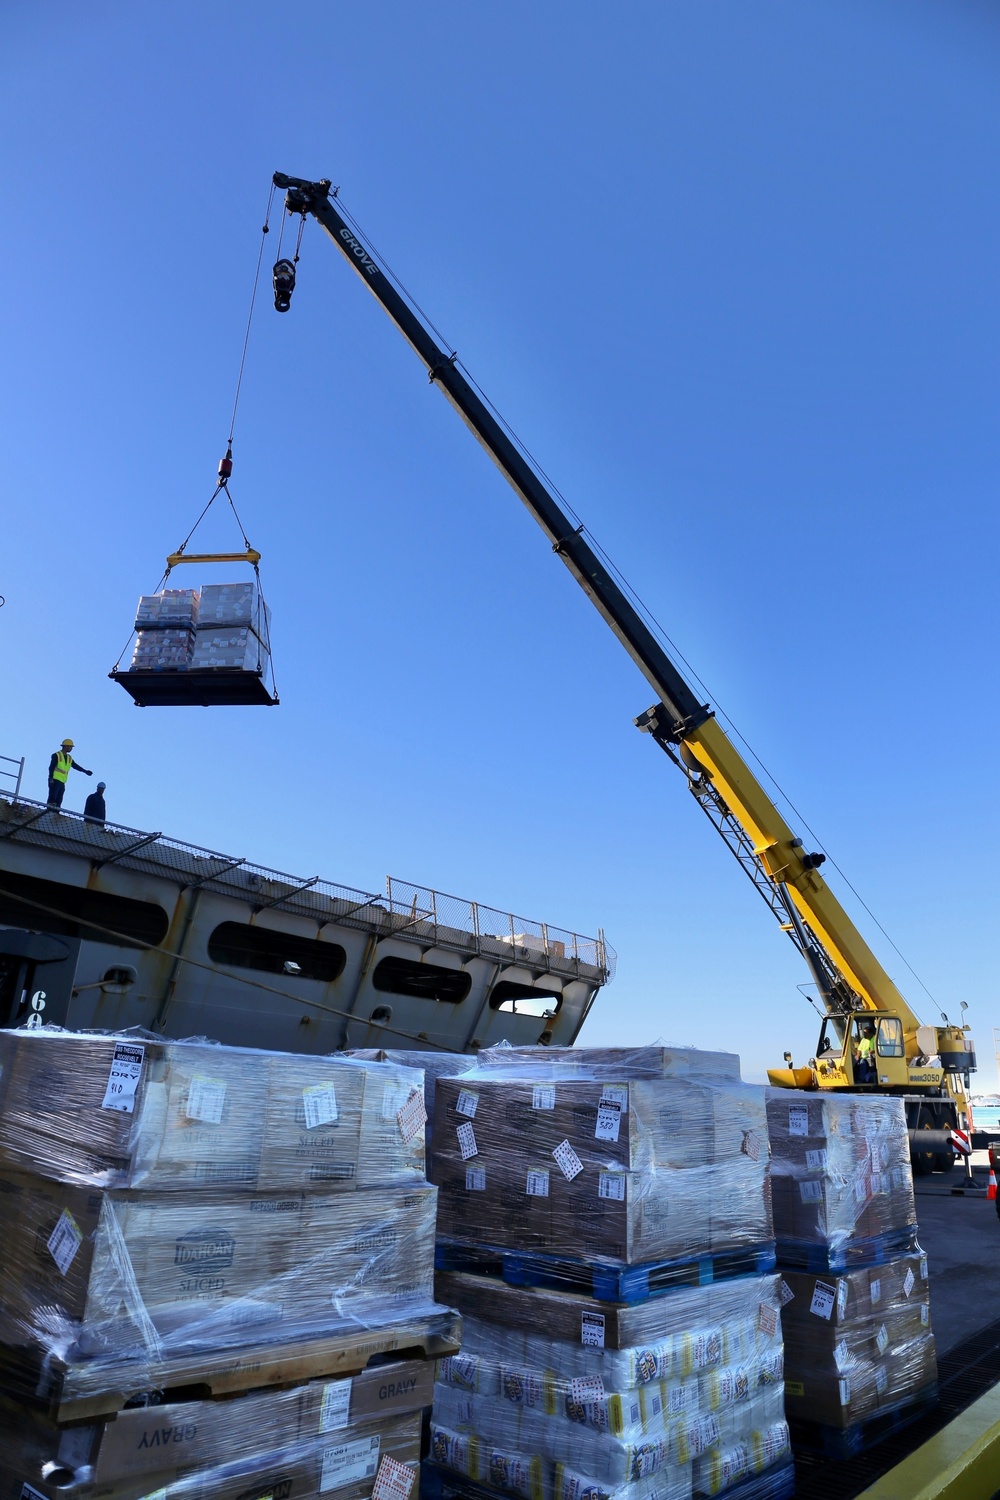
(865,1050)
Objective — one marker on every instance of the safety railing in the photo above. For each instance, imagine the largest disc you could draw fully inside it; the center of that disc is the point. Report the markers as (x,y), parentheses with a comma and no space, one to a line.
(16,776)
(405,910)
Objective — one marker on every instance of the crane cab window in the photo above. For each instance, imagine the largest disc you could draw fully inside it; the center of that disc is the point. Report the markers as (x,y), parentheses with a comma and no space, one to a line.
(890,1037)
(863,1043)
(829,1040)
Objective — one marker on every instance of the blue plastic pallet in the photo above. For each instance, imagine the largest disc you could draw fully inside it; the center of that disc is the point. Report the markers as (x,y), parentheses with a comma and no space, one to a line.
(847,1442)
(437,1483)
(852,1255)
(606,1283)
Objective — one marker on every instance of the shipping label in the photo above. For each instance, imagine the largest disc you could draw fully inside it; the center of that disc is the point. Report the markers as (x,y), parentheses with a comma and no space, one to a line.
(816,1160)
(751,1144)
(467,1141)
(543,1096)
(206,1099)
(824,1300)
(349,1463)
(123,1079)
(412,1116)
(466,1104)
(908,1281)
(767,1320)
(875,1290)
(810,1192)
(798,1120)
(882,1339)
(881,1379)
(785,1294)
(475,1179)
(609,1120)
(567,1161)
(537,1185)
(611,1185)
(320,1104)
(336,1406)
(394,1480)
(592,1330)
(64,1241)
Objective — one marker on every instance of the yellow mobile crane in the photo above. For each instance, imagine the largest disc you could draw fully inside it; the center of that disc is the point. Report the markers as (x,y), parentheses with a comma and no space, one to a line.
(870,1041)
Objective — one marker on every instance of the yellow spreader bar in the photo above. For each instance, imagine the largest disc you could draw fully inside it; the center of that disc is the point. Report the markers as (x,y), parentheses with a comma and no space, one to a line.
(249,556)
(961,1462)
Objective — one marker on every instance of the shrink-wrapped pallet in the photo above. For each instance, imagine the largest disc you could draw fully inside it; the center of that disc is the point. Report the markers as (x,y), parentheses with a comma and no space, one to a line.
(236,648)
(177,608)
(295,1443)
(224,605)
(135,1111)
(840,1172)
(698,1405)
(620,1157)
(162,650)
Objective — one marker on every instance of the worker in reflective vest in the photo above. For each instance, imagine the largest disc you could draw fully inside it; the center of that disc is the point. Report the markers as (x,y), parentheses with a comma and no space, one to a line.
(60,766)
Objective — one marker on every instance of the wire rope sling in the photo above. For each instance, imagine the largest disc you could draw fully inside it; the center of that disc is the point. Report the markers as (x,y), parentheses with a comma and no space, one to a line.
(207,646)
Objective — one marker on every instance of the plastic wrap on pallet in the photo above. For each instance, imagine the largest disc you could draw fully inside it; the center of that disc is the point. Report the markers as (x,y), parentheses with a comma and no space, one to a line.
(170,607)
(858,1343)
(615,1161)
(234,604)
(109,1275)
(434,1065)
(134,1111)
(840,1167)
(298,1443)
(234,647)
(701,1398)
(166,650)
(631,1062)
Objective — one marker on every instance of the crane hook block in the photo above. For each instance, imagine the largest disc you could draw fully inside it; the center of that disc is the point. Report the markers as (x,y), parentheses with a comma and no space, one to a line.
(284,284)
(226,466)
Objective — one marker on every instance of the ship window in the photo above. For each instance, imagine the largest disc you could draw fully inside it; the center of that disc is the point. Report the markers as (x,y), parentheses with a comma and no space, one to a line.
(270,952)
(524,999)
(402,976)
(890,1038)
(73,911)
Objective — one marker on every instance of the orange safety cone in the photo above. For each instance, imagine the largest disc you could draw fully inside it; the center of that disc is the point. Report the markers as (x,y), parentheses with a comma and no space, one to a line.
(991,1185)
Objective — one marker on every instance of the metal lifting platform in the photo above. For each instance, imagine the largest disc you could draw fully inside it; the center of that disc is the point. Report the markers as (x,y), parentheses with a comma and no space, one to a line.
(213,688)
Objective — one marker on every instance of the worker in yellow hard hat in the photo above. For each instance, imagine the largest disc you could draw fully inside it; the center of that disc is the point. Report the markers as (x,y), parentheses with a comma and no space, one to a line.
(60,765)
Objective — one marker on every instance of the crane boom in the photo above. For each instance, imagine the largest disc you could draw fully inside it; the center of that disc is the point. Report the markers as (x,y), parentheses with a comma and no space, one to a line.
(848,975)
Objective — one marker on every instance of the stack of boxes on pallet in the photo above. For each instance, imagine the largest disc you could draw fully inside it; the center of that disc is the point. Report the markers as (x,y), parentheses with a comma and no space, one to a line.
(859,1351)
(226,625)
(604,1226)
(205,1248)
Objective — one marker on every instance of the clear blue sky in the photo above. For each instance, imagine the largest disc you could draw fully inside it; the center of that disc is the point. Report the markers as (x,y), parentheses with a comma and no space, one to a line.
(731,272)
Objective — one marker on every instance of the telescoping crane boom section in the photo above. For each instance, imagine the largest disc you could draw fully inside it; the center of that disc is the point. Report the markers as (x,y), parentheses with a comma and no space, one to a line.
(846,971)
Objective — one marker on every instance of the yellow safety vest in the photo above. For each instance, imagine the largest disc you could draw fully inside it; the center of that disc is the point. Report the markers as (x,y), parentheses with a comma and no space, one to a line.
(866,1046)
(64,764)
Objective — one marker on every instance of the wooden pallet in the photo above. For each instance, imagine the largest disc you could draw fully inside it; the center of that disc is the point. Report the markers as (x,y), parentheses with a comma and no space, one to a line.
(88,1389)
(851,1255)
(847,1442)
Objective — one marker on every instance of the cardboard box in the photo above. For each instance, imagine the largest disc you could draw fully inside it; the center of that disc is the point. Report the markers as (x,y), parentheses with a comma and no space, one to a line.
(128,1112)
(96,1273)
(341,1460)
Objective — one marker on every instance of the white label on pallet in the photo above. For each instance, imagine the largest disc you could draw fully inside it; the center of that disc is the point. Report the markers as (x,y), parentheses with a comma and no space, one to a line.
(842,1298)
(537,1184)
(923,1266)
(611,1185)
(875,1290)
(466,1104)
(751,1144)
(845,1390)
(349,1463)
(64,1241)
(543,1096)
(320,1105)
(816,1160)
(584,1388)
(785,1294)
(475,1179)
(925,1314)
(908,1281)
(206,1099)
(28,1492)
(123,1080)
(413,1115)
(394,1480)
(335,1409)
(798,1120)
(609,1120)
(615,1093)
(882,1339)
(881,1379)
(767,1319)
(810,1192)
(824,1300)
(567,1161)
(592,1330)
(467,1141)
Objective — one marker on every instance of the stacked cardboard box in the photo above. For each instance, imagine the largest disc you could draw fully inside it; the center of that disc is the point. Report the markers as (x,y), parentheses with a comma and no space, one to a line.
(226,625)
(166,624)
(857,1324)
(571,1168)
(184,1215)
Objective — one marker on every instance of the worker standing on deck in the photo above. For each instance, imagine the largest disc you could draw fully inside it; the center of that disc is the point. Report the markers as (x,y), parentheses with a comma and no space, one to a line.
(94,809)
(60,765)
